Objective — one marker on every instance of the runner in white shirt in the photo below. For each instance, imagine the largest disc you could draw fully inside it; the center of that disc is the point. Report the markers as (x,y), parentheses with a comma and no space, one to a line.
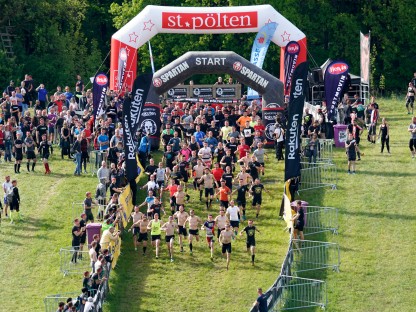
(7,188)
(234,215)
(205,154)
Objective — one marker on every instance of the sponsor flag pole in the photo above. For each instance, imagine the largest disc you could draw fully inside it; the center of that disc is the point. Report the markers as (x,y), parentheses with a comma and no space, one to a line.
(335,81)
(151,57)
(258,52)
(293,132)
(292,50)
(99,91)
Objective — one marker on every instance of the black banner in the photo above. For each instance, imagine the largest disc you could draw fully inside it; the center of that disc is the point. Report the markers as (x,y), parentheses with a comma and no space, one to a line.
(150,123)
(139,94)
(293,132)
(130,146)
(336,77)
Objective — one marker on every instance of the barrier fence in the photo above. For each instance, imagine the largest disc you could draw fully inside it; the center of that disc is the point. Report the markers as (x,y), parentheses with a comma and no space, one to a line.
(52,301)
(314,176)
(320,219)
(97,210)
(315,255)
(74,261)
(324,151)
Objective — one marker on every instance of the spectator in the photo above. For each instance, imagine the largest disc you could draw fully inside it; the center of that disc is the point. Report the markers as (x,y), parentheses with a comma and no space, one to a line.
(108,237)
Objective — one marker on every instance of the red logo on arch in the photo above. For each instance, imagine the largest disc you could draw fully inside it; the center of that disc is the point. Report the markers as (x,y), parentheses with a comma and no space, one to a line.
(157,82)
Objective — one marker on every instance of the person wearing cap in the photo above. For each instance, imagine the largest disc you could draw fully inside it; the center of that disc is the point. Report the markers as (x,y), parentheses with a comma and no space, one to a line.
(225,240)
(108,237)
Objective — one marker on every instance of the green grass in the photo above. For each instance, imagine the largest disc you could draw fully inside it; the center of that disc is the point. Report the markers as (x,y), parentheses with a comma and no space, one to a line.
(376,218)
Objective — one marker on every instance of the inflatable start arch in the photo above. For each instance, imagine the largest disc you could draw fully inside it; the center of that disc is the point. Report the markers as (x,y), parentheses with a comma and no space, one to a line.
(195,20)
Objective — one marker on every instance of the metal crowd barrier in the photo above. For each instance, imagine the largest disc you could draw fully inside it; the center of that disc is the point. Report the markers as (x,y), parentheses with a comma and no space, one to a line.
(320,219)
(52,301)
(96,157)
(324,154)
(300,293)
(318,175)
(69,266)
(314,255)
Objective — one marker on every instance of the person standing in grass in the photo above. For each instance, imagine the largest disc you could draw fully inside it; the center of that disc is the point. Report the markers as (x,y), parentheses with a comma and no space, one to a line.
(7,187)
(14,200)
(225,240)
(30,151)
(250,230)
(45,149)
(76,234)
(384,132)
(169,228)
(136,217)
(412,141)
(155,231)
(351,150)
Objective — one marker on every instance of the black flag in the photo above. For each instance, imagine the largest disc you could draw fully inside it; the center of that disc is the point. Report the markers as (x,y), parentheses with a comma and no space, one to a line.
(139,93)
(293,132)
(130,146)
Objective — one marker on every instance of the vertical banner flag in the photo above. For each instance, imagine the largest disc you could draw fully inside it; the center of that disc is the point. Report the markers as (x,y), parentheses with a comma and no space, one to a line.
(294,122)
(99,90)
(151,58)
(139,94)
(132,110)
(291,57)
(258,52)
(129,143)
(121,70)
(365,57)
(336,76)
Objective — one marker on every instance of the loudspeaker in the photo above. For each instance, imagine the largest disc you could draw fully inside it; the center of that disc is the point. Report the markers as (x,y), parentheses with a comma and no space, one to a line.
(318,76)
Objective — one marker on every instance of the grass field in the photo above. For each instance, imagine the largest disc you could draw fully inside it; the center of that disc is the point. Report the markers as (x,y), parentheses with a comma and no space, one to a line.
(375,236)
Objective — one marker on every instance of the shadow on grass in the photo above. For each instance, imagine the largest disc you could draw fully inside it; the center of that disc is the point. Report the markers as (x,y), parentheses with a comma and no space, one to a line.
(367,214)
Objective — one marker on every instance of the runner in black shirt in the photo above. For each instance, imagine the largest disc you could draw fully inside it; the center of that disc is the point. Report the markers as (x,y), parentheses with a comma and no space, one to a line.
(169,157)
(257,190)
(45,149)
(250,230)
(41,129)
(242,191)
(228,177)
(150,169)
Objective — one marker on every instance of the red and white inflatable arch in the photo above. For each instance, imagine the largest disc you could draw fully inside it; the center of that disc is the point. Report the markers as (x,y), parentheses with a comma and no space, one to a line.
(195,20)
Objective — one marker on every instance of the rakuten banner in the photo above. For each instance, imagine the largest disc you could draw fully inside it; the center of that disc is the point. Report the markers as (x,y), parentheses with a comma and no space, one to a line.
(336,77)
(293,131)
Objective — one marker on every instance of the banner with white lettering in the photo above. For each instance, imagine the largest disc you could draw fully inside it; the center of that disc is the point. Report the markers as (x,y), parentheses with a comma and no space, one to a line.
(365,57)
(139,94)
(99,90)
(293,129)
(258,52)
(121,69)
(291,57)
(336,77)
(130,145)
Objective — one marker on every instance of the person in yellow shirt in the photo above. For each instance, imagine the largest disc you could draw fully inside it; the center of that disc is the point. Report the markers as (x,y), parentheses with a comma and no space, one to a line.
(155,231)
(108,237)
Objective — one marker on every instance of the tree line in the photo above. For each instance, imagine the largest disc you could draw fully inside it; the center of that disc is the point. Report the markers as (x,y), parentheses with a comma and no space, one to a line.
(55,40)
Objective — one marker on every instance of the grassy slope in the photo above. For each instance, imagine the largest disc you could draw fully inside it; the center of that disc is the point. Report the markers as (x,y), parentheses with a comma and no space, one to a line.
(376,226)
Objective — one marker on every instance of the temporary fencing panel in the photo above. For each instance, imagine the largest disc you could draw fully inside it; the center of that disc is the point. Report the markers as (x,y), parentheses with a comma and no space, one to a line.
(97,210)
(52,301)
(314,255)
(300,293)
(318,175)
(321,219)
(324,153)
(74,261)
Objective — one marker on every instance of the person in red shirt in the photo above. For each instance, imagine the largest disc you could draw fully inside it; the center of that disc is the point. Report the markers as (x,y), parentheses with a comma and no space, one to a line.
(173,188)
(223,193)
(259,127)
(217,173)
(243,149)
